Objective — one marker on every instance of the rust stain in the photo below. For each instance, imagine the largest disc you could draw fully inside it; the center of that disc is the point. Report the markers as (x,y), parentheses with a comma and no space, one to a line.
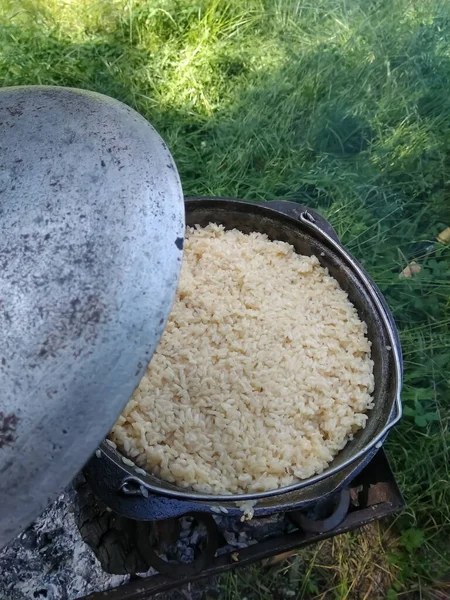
(15,110)
(8,427)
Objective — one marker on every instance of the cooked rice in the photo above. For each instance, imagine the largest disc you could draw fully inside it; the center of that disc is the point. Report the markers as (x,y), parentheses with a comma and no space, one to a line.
(261,377)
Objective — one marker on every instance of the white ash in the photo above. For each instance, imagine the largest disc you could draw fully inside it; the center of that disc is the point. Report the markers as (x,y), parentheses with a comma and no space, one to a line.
(50,561)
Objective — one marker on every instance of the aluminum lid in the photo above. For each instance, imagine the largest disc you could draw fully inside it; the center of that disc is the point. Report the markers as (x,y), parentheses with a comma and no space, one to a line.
(91,236)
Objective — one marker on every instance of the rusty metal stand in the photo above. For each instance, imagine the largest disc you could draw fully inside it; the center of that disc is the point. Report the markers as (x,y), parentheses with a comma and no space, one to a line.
(373,495)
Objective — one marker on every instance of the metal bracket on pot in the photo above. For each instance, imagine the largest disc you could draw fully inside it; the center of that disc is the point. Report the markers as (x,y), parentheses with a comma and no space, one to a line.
(297,211)
(133,487)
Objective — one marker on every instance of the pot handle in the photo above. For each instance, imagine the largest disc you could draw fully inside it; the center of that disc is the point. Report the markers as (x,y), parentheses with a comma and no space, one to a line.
(308,218)
(329,523)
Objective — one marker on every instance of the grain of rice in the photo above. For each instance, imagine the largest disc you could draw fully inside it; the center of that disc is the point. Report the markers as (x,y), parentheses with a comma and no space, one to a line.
(261,377)
(248,515)
(247,508)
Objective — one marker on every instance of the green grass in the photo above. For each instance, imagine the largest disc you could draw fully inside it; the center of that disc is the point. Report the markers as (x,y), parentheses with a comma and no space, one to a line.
(340,104)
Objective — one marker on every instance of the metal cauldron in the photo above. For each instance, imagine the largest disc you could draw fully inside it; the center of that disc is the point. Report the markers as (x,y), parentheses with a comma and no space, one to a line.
(147,497)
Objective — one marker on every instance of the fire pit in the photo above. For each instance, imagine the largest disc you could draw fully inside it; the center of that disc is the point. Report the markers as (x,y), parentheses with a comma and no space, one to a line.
(81,549)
